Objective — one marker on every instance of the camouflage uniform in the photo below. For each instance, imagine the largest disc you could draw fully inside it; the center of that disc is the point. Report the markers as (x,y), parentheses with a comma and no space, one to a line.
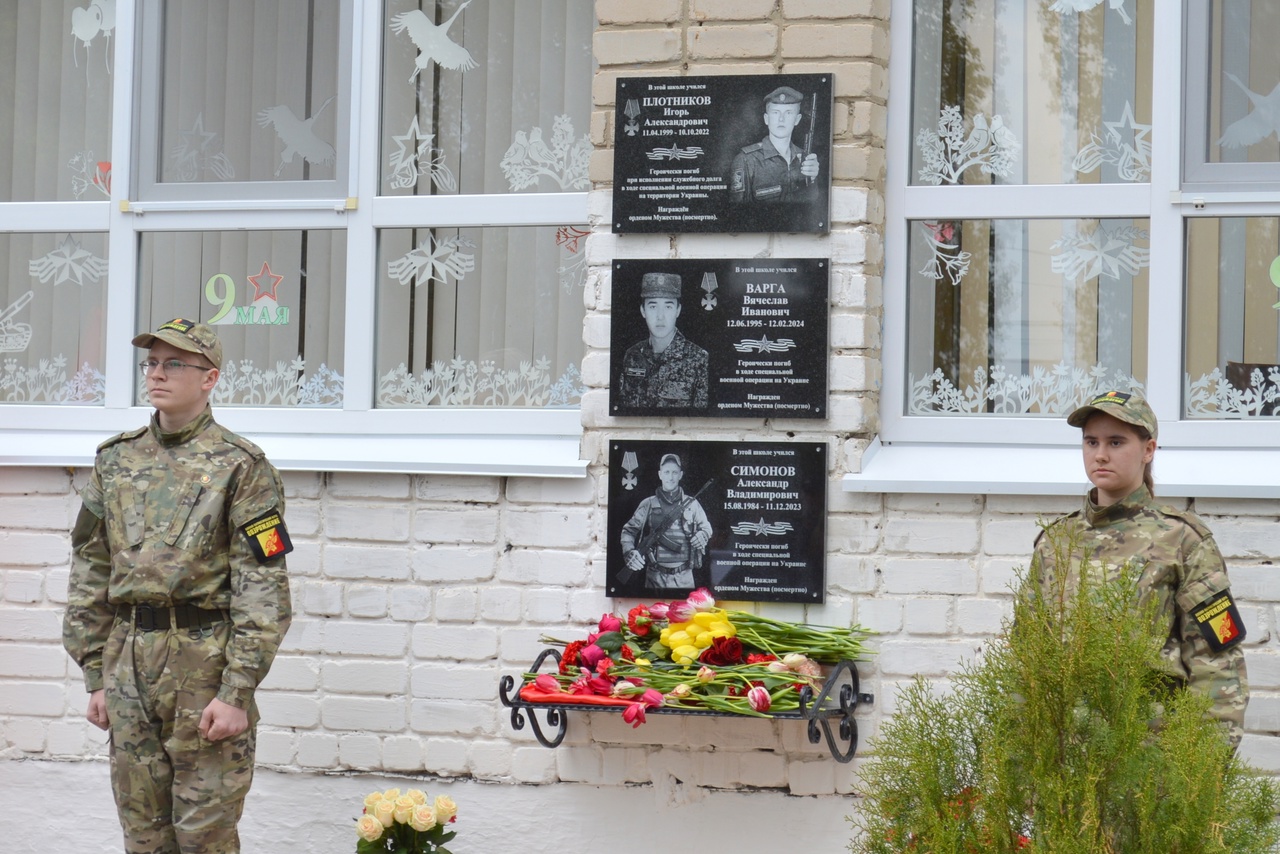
(1182,568)
(676,377)
(672,560)
(761,174)
(179,521)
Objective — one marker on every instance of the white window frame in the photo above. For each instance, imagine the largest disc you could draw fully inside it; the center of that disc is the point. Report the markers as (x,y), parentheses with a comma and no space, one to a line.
(1036,455)
(357,437)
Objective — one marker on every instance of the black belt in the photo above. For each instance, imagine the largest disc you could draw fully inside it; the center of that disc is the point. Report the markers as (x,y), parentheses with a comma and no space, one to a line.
(153,618)
(671,570)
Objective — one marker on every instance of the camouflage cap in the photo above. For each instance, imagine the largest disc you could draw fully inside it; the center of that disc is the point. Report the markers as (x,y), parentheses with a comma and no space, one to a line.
(185,335)
(1123,405)
(783,95)
(660,286)
(670,458)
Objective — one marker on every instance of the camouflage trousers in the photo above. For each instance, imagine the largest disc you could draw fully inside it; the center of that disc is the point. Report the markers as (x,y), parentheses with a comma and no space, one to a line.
(176,793)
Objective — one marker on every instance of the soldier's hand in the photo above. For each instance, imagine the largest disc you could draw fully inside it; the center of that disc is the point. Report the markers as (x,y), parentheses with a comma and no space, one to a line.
(699,540)
(809,167)
(222,720)
(97,711)
(635,561)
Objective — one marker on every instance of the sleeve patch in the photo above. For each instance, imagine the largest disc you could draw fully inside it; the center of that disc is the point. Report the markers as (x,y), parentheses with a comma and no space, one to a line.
(1219,621)
(267,536)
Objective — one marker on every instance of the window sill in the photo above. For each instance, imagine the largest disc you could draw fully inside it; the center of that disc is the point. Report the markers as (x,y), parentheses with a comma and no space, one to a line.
(1056,470)
(543,443)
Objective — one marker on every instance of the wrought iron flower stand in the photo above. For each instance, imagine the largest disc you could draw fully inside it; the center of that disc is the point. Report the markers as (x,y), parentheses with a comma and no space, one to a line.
(829,713)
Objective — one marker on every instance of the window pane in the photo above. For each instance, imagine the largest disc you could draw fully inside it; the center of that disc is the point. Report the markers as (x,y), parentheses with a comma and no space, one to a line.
(1233,317)
(274,297)
(1024,317)
(1244,82)
(249,91)
(1008,92)
(486,97)
(480,316)
(56,64)
(53,300)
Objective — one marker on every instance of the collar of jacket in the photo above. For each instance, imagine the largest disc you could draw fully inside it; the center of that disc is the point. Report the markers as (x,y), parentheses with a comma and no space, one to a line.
(1127,508)
(185,434)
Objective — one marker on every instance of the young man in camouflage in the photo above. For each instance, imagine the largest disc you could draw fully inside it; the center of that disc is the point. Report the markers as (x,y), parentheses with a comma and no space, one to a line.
(665,370)
(177,601)
(1180,564)
(680,545)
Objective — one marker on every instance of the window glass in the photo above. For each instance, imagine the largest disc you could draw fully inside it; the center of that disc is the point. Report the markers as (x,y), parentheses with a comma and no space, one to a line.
(56,69)
(1233,317)
(1024,317)
(275,299)
(1244,82)
(489,97)
(246,92)
(1007,92)
(480,317)
(52,318)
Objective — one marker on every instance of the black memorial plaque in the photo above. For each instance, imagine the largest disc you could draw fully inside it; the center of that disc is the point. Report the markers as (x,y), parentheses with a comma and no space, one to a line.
(765,504)
(752,339)
(723,154)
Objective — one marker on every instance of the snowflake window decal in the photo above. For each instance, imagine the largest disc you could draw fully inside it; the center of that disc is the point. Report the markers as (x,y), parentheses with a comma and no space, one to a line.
(1124,144)
(949,151)
(564,162)
(1106,252)
(439,258)
(949,261)
(1046,391)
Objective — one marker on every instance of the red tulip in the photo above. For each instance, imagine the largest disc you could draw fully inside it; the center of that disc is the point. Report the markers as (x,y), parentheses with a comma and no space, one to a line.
(634,714)
(759,699)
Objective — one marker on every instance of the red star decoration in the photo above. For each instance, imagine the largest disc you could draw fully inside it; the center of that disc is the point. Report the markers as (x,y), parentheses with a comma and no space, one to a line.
(270,290)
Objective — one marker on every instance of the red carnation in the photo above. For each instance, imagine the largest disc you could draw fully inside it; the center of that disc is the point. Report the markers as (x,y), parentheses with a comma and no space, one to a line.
(638,620)
(722,652)
(569,659)
(627,654)
(760,658)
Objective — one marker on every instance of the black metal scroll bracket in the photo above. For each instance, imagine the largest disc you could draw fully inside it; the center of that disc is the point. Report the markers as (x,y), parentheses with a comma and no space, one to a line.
(839,698)
(510,696)
(820,713)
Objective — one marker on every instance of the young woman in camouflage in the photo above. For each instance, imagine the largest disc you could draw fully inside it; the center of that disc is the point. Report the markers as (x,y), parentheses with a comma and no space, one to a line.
(1121,523)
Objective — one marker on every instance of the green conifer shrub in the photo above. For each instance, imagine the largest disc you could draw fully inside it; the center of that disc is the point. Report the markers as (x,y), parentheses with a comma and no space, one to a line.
(1062,738)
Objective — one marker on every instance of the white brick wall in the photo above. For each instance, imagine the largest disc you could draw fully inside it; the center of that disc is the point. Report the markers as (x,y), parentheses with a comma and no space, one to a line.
(415,594)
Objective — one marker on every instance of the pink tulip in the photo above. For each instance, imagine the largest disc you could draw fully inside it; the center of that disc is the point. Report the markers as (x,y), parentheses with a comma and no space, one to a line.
(590,656)
(681,612)
(651,697)
(759,699)
(610,623)
(634,714)
(702,600)
(658,610)
(547,682)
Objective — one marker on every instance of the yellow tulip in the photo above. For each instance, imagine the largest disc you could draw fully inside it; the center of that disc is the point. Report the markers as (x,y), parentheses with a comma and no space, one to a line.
(685,654)
(703,640)
(680,638)
(704,619)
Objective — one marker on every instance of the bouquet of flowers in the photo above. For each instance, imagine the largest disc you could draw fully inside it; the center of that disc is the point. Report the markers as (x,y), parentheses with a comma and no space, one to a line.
(405,823)
(692,654)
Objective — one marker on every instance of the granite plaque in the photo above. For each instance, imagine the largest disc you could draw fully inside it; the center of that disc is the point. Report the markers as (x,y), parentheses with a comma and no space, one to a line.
(744,338)
(747,520)
(732,153)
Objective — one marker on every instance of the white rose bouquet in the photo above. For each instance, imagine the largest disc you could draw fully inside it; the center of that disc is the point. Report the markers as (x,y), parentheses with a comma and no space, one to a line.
(405,823)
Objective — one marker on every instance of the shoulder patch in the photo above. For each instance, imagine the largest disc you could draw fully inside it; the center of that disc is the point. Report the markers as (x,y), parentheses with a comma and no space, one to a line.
(123,437)
(268,538)
(1219,621)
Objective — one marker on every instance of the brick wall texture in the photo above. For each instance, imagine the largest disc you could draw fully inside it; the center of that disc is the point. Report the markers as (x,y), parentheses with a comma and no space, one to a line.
(415,594)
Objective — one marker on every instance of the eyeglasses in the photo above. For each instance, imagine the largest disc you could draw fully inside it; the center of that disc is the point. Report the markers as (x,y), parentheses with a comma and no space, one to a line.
(171,366)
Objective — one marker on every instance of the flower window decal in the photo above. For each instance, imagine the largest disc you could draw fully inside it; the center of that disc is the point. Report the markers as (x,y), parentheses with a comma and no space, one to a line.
(949,261)
(47,382)
(242,383)
(1105,252)
(89,174)
(573,271)
(564,162)
(1046,391)
(1124,144)
(949,151)
(465,382)
(1214,396)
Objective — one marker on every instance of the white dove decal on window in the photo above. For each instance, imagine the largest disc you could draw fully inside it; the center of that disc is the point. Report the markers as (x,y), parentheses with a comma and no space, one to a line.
(433,41)
(297,135)
(1259,124)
